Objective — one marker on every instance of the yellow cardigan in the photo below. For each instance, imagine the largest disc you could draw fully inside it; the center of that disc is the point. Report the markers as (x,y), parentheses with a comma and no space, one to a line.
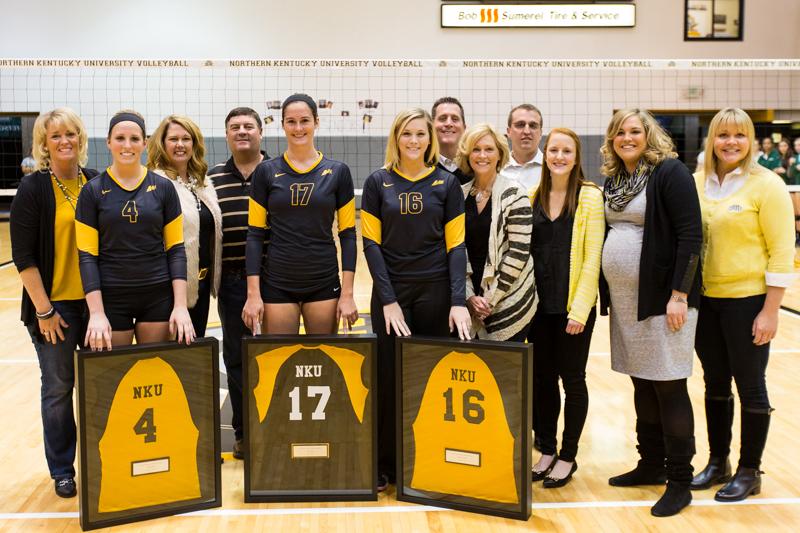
(746,235)
(586,251)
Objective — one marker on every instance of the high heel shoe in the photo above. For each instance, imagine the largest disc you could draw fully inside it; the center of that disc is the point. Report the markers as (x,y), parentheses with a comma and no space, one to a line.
(554,483)
(538,475)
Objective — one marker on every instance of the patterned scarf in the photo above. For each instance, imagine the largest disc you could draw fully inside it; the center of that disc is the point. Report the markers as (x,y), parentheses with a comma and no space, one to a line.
(622,188)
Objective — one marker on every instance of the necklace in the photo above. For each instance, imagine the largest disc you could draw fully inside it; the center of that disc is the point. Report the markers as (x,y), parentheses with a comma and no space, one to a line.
(191,184)
(480,194)
(71,200)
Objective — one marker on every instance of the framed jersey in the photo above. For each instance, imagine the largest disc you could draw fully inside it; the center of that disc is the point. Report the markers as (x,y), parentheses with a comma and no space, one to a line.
(464,425)
(148,420)
(309,411)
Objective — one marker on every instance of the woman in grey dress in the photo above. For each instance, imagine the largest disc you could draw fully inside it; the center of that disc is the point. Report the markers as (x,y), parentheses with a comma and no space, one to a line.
(649,265)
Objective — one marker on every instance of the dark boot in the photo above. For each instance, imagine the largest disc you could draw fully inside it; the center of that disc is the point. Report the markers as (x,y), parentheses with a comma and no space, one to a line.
(747,481)
(719,419)
(718,470)
(679,451)
(650,470)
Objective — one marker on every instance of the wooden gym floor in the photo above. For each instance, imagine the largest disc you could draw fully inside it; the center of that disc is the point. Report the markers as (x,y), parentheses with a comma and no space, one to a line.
(588,503)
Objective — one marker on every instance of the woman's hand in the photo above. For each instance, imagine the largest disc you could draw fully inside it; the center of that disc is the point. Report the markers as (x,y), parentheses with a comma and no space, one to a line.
(347,312)
(393,316)
(479,307)
(677,313)
(460,320)
(765,326)
(98,332)
(180,324)
(574,327)
(252,313)
(51,328)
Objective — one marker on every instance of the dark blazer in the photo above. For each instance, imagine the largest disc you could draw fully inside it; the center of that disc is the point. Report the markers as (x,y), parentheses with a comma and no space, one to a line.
(460,176)
(33,214)
(673,237)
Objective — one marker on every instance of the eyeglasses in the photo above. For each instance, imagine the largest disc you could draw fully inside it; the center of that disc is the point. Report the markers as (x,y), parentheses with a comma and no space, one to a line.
(520,125)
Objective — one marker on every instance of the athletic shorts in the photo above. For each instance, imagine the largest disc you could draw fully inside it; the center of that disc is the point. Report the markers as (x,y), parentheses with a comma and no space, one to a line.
(273,293)
(125,306)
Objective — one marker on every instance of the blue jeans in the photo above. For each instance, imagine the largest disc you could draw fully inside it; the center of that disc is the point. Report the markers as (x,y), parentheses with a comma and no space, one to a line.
(56,362)
(230,302)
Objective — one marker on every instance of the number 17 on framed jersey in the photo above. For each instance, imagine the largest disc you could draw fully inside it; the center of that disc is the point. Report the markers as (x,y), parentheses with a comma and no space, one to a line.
(149,441)
(309,411)
(464,425)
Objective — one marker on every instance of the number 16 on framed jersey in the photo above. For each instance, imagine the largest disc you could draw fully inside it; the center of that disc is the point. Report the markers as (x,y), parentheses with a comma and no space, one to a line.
(148,417)
(309,411)
(464,425)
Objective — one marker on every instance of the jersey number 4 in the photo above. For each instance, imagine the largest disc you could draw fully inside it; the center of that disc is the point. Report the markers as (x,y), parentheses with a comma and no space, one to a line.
(145,426)
(470,408)
(301,193)
(324,392)
(129,210)
(410,203)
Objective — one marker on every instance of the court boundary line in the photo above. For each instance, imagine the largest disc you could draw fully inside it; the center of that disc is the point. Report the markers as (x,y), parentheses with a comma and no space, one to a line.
(413,509)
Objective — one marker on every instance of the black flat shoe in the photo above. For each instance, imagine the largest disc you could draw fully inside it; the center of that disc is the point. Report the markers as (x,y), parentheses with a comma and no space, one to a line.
(538,475)
(745,482)
(718,470)
(673,501)
(641,475)
(554,483)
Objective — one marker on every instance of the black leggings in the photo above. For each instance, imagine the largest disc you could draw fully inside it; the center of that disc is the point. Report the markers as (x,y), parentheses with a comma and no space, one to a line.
(559,354)
(665,404)
(426,308)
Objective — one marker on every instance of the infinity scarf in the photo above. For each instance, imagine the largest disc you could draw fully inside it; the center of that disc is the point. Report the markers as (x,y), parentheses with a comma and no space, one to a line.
(622,188)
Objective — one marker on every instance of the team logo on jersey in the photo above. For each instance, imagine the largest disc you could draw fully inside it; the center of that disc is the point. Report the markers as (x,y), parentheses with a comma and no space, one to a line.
(105,191)
(735,208)
(327,171)
(150,188)
(437,182)
(387,185)
(279,174)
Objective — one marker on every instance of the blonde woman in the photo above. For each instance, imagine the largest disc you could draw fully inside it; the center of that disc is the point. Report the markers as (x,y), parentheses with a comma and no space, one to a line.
(748,262)
(46,256)
(500,292)
(650,262)
(412,222)
(176,150)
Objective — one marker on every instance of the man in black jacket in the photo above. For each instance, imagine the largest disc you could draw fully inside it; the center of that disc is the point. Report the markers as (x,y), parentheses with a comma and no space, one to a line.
(448,118)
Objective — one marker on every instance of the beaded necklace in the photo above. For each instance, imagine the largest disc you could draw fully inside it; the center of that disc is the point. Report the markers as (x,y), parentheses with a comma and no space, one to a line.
(191,184)
(71,200)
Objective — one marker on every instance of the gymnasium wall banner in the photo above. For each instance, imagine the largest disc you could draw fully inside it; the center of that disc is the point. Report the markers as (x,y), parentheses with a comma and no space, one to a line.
(148,418)
(464,425)
(309,411)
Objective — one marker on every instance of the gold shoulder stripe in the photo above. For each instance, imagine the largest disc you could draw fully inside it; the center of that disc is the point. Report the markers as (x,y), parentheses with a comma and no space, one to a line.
(346,215)
(454,232)
(256,215)
(370,227)
(87,238)
(173,232)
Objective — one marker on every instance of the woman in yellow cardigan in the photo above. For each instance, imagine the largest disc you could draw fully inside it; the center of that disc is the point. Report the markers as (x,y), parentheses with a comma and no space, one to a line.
(748,256)
(567,244)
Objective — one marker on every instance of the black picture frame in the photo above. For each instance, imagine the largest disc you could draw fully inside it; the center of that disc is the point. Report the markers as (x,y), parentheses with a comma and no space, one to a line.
(252,494)
(520,511)
(205,351)
(714,18)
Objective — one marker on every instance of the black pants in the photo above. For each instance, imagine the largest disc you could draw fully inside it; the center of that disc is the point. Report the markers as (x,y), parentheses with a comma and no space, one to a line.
(199,313)
(426,308)
(559,354)
(230,301)
(665,404)
(725,346)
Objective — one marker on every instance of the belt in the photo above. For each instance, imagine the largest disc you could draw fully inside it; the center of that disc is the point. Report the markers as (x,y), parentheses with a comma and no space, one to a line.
(202,274)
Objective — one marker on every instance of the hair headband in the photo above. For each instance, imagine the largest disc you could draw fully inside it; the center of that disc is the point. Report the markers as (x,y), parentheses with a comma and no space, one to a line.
(300,97)
(125,117)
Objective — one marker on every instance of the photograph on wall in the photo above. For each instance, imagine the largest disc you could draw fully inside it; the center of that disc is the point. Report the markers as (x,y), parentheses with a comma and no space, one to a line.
(149,431)
(309,410)
(464,425)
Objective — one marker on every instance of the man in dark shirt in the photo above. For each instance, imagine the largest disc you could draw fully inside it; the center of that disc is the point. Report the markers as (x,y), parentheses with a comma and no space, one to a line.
(448,119)
(232,183)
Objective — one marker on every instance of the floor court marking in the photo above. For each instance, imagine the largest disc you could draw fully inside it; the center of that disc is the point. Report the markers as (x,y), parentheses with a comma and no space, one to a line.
(412,509)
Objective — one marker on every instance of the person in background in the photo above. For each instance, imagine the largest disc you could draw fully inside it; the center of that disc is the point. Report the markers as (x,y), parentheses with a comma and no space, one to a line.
(448,118)
(525,133)
(176,150)
(43,248)
(769,158)
(232,182)
(28,165)
(652,286)
(568,232)
(786,156)
(748,262)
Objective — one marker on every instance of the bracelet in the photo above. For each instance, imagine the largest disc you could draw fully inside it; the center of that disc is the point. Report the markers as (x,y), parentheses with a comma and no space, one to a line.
(679,299)
(46,314)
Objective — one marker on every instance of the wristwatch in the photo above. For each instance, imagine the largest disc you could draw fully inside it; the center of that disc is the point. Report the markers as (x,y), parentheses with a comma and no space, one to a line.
(680,299)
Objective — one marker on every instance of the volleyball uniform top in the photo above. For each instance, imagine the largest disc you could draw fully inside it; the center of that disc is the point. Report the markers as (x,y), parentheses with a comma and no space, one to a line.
(298,208)
(413,230)
(129,237)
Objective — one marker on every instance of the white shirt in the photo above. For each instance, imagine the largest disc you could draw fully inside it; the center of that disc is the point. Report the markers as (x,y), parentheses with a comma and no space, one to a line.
(449,164)
(528,174)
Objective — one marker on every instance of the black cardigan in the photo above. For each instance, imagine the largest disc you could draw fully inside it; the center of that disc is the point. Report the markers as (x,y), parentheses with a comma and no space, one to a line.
(33,214)
(673,237)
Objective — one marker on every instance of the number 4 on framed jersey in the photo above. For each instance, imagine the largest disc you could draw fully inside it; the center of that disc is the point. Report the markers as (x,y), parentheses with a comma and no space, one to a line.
(309,411)
(464,435)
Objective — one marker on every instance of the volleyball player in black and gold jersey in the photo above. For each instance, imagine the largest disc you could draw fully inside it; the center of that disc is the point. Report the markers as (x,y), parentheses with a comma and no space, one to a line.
(296,196)
(412,216)
(129,231)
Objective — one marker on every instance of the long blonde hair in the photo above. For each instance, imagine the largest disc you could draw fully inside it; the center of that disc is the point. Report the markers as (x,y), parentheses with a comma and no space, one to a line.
(62,116)
(400,122)
(659,143)
(743,123)
(157,157)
